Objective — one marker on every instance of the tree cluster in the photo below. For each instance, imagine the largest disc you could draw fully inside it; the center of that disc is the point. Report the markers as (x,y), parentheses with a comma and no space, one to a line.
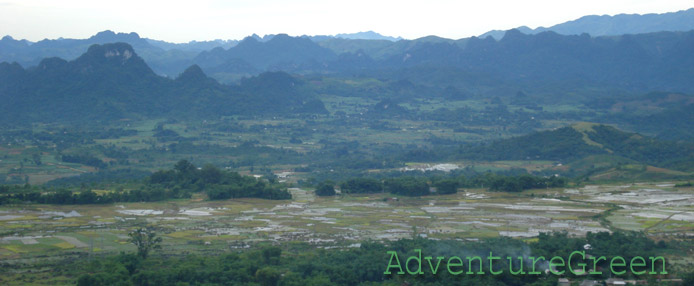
(180,182)
(216,183)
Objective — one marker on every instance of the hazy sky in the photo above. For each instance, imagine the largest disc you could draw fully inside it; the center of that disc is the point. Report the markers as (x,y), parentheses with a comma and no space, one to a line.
(182,21)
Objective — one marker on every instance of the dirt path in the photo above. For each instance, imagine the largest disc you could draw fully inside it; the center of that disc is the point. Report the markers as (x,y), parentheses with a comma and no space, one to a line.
(663,220)
(601,218)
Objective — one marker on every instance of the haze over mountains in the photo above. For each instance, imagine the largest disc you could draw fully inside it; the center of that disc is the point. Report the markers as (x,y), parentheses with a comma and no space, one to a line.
(222,61)
(548,66)
(621,24)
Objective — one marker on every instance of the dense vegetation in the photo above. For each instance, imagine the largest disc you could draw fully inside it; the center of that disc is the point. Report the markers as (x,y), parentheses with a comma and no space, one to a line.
(180,182)
(185,179)
(218,184)
(423,186)
(301,265)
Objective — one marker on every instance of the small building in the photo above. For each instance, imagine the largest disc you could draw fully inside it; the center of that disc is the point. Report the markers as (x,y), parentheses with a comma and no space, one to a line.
(590,283)
(563,282)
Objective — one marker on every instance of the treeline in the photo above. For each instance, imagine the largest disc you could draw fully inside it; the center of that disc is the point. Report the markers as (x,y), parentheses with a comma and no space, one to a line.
(180,182)
(104,177)
(406,186)
(422,186)
(84,159)
(525,182)
(68,197)
(300,264)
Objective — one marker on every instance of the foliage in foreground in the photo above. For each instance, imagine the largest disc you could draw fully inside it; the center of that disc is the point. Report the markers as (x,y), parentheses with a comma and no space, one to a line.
(300,264)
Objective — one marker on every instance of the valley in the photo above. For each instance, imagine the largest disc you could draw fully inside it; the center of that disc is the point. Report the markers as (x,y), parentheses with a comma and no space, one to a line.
(191,225)
(306,160)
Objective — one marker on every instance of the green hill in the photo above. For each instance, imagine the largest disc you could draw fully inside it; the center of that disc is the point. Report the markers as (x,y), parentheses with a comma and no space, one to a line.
(588,144)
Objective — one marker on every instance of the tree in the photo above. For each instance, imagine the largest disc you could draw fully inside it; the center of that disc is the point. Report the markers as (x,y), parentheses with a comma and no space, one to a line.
(211,174)
(267,276)
(145,239)
(36,158)
(271,255)
(407,186)
(361,186)
(184,167)
(445,187)
(689,279)
(325,189)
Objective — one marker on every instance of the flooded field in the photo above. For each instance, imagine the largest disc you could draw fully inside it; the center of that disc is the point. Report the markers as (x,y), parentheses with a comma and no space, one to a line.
(658,209)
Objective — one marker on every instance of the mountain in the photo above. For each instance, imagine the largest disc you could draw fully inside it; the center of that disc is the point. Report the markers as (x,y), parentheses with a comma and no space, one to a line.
(548,61)
(111,82)
(368,35)
(621,24)
(163,61)
(643,63)
(165,58)
(665,114)
(193,46)
(499,34)
(281,52)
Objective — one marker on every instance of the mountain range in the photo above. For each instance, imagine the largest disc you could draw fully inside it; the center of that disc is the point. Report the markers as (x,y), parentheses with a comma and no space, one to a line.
(226,62)
(111,81)
(164,58)
(544,64)
(122,75)
(622,24)
(645,62)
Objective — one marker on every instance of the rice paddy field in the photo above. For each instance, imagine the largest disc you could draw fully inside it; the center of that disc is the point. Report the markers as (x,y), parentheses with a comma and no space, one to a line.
(196,225)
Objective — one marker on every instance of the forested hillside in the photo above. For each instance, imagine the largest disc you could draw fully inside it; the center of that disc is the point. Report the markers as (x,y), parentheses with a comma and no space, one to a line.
(112,82)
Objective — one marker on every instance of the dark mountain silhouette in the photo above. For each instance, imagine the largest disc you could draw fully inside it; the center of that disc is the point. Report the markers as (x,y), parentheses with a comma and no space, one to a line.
(281,50)
(163,60)
(642,62)
(112,82)
(657,61)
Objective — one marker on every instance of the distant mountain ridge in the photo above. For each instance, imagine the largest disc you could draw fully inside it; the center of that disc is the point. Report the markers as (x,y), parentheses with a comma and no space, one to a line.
(164,59)
(644,62)
(659,61)
(622,24)
(111,82)
(281,51)
(368,35)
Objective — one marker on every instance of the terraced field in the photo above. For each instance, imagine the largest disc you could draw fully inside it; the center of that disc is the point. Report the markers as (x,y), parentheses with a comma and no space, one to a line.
(198,225)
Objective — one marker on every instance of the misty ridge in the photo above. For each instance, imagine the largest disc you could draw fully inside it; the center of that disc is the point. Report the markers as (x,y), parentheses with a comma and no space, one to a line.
(630,51)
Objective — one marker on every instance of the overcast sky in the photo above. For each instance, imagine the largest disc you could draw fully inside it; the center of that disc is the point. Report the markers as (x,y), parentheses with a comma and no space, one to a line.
(183,21)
